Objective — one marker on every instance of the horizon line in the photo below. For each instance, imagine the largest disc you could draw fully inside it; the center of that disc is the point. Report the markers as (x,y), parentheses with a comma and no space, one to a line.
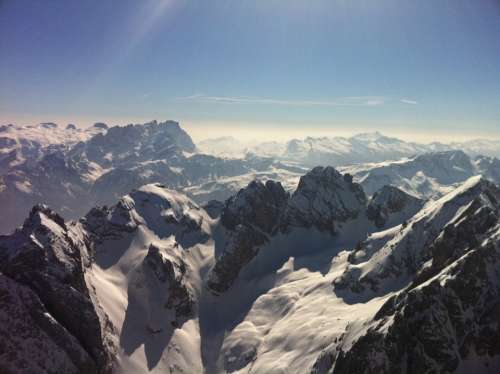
(258,131)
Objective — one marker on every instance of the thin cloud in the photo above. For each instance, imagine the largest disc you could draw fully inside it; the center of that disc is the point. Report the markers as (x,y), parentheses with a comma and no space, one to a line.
(342,101)
(408,101)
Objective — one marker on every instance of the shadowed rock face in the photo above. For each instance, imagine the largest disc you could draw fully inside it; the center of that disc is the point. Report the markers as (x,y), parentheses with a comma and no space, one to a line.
(323,197)
(390,201)
(32,340)
(241,247)
(171,271)
(214,208)
(260,205)
(49,259)
(249,217)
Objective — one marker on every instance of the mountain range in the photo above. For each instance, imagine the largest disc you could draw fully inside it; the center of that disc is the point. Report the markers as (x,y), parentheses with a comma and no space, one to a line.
(73,170)
(338,150)
(323,280)
(134,252)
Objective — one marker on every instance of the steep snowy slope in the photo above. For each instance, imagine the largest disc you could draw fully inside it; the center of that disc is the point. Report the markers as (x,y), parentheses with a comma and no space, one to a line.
(445,319)
(150,251)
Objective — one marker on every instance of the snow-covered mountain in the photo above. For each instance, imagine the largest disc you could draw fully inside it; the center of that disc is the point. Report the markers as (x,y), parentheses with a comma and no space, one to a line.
(429,175)
(72,170)
(342,151)
(441,269)
(336,151)
(321,280)
(28,144)
(101,169)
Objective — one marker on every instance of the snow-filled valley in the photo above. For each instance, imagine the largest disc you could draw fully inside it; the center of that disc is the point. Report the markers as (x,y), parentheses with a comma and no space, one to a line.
(150,256)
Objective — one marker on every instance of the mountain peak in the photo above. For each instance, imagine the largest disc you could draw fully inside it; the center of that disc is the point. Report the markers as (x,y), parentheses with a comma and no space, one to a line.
(368,136)
(324,197)
(39,213)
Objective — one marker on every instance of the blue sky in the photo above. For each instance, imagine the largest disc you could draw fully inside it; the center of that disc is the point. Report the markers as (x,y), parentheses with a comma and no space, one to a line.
(425,68)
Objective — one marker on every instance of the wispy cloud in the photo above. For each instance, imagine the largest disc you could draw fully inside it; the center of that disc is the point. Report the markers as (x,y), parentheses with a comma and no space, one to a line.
(408,101)
(338,102)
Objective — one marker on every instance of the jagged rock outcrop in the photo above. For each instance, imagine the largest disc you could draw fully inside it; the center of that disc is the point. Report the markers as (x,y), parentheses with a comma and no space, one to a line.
(32,340)
(171,270)
(259,205)
(50,258)
(250,218)
(323,198)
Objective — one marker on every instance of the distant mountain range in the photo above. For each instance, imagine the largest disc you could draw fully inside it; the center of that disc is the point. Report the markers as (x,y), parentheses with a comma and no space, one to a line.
(73,170)
(73,176)
(361,148)
(28,144)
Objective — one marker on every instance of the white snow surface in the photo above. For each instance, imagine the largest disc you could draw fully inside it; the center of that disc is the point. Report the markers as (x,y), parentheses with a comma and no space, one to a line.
(277,317)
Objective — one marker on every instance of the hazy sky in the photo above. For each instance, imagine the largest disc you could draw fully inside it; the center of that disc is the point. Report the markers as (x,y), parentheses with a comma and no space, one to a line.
(424,68)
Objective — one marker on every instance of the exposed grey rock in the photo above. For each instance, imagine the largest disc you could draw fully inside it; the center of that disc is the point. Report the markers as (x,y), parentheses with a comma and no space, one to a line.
(171,270)
(323,198)
(32,340)
(241,247)
(260,205)
(391,202)
(214,208)
(249,217)
(50,258)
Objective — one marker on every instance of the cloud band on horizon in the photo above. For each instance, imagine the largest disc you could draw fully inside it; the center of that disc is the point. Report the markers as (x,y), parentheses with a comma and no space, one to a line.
(346,101)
